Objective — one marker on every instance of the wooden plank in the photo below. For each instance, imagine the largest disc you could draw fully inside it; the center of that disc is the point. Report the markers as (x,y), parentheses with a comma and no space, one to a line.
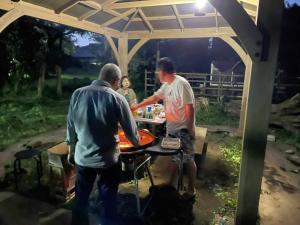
(199,141)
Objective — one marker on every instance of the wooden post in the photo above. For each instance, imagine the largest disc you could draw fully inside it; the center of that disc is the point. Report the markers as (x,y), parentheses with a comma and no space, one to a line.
(123,55)
(245,95)
(261,79)
(146,82)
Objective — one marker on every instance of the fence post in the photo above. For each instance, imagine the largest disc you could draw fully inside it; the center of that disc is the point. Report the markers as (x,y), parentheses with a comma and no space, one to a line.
(145,94)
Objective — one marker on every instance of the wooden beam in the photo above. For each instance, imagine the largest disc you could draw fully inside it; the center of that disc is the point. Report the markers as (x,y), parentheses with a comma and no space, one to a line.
(123,55)
(173,17)
(112,12)
(89,14)
(261,76)
(72,3)
(250,2)
(216,19)
(136,47)
(147,3)
(91,4)
(113,47)
(116,19)
(9,17)
(146,21)
(66,6)
(31,10)
(187,33)
(108,2)
(242,24)
(175,10)
(236,47)
(130,20)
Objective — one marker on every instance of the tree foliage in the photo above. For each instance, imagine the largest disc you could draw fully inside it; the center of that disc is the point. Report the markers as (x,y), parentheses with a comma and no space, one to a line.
(30,46)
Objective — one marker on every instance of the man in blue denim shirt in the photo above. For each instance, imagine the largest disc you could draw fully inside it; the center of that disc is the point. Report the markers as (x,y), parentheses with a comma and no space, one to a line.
(94,114)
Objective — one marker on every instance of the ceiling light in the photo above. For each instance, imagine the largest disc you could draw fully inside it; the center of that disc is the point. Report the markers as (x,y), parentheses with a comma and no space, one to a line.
(200,3)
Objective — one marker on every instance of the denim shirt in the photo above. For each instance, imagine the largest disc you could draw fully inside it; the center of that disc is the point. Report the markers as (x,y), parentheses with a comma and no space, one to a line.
(95,112)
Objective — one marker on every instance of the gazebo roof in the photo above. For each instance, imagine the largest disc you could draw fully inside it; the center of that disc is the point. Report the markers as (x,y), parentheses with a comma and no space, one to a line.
(256,24)
(151,18)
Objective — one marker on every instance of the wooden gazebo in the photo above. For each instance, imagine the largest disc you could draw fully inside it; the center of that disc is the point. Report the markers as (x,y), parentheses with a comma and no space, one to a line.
(250,27)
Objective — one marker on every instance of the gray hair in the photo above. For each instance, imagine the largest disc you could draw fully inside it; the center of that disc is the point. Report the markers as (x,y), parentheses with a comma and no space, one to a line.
(110,72)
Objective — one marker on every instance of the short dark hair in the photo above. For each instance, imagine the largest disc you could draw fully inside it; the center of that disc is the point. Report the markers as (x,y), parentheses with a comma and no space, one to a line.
(166,65)
(122,79)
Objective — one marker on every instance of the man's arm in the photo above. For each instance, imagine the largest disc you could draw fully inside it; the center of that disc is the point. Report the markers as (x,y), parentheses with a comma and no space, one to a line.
(128,123)
(190,115)
(188,101)
(151,100)
(71,133)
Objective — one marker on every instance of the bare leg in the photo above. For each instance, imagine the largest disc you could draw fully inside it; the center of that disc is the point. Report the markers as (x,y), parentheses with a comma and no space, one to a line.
(173,181)
(192,173)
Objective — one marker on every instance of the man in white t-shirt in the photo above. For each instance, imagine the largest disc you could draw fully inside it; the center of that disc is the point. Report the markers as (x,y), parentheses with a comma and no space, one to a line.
(179,102)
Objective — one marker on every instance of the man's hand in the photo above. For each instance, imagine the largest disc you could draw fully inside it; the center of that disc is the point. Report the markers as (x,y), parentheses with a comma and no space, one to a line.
(70,158)
(134,107)
(149,101)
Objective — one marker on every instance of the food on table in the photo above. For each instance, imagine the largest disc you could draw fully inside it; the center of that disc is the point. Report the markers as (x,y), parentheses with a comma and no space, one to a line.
(146,138)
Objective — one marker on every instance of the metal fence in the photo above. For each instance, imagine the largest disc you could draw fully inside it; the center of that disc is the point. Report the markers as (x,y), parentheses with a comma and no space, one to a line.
(214,86)
(227,86)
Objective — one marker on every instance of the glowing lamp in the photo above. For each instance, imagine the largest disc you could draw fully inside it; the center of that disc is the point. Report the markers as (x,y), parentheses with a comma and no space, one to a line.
(200,4)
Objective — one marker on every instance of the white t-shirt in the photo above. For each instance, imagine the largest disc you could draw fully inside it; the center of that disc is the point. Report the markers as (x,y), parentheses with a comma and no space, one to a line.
(175,96)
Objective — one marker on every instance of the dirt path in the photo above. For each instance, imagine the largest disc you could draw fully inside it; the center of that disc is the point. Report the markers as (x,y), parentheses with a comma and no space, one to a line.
(41,141)
(280,198)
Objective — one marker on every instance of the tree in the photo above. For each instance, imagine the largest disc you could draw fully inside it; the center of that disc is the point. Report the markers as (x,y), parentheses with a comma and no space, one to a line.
(31,47)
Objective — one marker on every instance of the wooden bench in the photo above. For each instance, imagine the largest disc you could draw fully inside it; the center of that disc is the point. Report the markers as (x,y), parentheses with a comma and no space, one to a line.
(200,146)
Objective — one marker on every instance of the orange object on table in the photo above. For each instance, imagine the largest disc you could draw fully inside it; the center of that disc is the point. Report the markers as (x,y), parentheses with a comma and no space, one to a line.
(146,139)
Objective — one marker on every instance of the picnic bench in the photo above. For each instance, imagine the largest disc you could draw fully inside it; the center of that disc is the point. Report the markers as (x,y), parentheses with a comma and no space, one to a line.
(200,146)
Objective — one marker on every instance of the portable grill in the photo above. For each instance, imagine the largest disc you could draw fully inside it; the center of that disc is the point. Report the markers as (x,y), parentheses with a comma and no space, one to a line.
(129,153)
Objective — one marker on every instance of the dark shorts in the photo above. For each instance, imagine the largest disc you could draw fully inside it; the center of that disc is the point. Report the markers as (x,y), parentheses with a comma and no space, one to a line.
(187,145)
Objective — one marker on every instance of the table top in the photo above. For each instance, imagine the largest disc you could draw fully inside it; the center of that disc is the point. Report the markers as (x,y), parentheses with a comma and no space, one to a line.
(27,154)
(59,149)
(155,121)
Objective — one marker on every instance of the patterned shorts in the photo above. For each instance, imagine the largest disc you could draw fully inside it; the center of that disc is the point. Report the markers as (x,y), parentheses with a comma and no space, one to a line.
(187,145)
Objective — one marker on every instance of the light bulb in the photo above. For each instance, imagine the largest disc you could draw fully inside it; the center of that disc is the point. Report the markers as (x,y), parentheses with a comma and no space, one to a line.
(200,3)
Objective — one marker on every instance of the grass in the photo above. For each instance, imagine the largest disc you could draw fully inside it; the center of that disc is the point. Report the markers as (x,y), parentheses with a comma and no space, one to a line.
(231,149)
(287,137)
(216,116)
(25,115)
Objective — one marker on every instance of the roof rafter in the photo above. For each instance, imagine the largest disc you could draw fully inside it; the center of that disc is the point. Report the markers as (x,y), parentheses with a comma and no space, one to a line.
(89,14)
(130,20)
(146,21)
(187,33)
(43,13)
(175,10)
(116,19)
(72,3)
(91,4)
(66,6)
(147,3)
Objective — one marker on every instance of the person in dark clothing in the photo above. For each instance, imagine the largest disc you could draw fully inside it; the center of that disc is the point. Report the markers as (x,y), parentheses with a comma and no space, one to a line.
(94,115)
